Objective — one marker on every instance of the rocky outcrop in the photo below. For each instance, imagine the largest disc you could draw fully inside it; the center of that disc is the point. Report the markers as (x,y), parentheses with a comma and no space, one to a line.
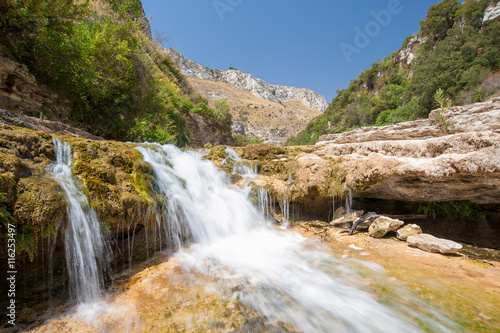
(417,161)
(38,124)
(407,53)
(433,244)
(492,13)
(273,93)
(22,94)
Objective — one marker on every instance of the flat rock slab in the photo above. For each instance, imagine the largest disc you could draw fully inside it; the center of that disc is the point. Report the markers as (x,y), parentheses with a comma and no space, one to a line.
(433,244)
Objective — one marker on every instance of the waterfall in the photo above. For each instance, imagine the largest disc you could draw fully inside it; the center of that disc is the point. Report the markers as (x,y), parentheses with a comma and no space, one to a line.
(280,274)
(241,167)
(87,254)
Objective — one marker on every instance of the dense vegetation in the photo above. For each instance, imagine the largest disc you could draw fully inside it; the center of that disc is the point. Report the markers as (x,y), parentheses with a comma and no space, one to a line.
(97,55)
(457,55)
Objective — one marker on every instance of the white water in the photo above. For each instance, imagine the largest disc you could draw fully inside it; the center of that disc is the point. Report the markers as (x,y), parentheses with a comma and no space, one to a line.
(87,253)
(284,276)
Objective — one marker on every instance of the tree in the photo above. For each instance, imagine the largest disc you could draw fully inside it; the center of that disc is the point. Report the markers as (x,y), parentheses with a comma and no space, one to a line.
(440,17)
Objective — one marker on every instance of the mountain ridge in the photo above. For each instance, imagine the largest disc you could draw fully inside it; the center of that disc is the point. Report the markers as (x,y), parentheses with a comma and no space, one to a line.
(260,88)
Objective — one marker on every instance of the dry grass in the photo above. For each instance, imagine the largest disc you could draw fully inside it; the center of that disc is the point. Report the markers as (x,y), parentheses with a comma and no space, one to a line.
(271,121)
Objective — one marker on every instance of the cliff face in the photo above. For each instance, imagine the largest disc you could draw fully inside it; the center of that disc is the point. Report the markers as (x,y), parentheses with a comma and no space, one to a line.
(271,113)
(492,13)
(254,116)
(273,93)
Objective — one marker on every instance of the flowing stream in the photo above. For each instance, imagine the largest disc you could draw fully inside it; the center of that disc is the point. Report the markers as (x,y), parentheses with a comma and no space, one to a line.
(87,253)
(219,233)
(279,274)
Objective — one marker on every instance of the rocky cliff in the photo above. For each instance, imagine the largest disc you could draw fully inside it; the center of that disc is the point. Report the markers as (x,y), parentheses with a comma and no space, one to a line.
(416,161)
(273,93)
(492,13)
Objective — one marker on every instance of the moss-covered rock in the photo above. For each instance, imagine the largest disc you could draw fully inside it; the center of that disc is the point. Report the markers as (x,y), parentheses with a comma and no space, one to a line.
(261,152)
(8,188)
(40,204)
(13,165)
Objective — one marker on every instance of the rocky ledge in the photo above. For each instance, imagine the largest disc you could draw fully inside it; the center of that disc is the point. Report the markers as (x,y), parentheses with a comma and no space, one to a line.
(416,161)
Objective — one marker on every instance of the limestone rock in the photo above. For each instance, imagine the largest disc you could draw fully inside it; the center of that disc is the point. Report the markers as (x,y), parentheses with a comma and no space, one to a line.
(407,54)
(40,204)
(344,220)
(408,230)
(382,225)
(273,93)
(433,244)
(492,13)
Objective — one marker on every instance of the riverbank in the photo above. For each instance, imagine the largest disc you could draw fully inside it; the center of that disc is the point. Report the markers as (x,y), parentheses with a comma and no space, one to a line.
(466,286)
(161,296)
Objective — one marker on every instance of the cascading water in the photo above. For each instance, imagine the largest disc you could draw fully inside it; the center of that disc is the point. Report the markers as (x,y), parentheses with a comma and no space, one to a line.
(87,253)
(281,275)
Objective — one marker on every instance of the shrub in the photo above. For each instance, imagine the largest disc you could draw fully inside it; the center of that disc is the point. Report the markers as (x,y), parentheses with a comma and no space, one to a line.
(491,83)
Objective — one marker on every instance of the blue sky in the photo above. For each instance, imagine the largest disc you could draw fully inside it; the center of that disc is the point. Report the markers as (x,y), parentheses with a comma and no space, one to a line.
(288,42)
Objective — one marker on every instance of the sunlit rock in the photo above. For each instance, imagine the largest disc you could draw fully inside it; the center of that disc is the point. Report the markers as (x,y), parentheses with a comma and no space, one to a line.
(430,243)
(408,230)
(382,225)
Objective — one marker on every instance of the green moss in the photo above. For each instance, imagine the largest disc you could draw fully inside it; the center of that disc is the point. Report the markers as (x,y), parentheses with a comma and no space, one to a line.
(89,171)
(217,153)
(262,152)
(458,209)
(337,181)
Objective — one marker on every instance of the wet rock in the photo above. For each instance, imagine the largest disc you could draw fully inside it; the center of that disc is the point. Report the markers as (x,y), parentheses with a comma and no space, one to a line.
(408,230)
(433,244)
(382,225)
(40,204)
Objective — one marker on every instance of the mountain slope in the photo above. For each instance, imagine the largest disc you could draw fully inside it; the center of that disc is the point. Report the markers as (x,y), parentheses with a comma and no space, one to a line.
(253,116)
(93,64)
(456,51)
(259,109)
(274,93)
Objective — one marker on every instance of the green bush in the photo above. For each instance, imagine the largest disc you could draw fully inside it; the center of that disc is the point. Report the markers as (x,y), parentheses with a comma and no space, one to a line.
(241,141)
(120,84)
(457,209)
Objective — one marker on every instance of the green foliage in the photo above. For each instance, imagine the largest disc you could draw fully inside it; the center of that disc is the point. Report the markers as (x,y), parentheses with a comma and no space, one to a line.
(440,17)
(458,209)
(222,113)
(473,12)
(5,215)
(120,84)
(241,141)
(444,104)
(462,60)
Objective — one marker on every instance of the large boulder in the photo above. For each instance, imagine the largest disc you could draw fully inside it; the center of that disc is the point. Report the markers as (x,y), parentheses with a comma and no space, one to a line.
(433,244)
(382,225)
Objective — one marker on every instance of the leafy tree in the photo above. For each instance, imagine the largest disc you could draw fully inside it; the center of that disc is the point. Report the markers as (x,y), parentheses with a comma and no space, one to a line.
(440,17)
